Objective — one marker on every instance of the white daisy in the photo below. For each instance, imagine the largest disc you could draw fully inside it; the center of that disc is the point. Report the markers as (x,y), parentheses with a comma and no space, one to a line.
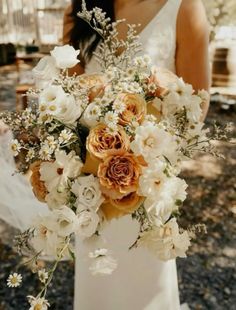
(15,147)
(43,275)
(38,303)
(111,118)
(14,280)
(65,136)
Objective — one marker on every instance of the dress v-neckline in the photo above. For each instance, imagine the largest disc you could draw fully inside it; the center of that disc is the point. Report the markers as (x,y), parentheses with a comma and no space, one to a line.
(155,17)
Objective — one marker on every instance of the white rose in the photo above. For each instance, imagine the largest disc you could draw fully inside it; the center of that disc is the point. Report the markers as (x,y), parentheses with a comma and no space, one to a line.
(69,111)
(87,189)
(87,223)
(45,70)
(65,56)
(63,221)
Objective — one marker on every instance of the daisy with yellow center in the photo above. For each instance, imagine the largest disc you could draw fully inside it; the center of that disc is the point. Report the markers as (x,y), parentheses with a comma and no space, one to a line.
(14,280)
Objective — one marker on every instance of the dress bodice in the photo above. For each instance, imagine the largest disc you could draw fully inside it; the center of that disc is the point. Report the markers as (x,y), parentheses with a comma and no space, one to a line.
(158,38)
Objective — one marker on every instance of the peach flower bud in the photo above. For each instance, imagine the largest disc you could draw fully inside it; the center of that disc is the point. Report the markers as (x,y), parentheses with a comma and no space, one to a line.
(135,108)
(119,174)
(38,186)
(94,82)
(101,141)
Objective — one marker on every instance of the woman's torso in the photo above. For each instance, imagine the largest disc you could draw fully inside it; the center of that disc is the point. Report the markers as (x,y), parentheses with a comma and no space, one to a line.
(158,36)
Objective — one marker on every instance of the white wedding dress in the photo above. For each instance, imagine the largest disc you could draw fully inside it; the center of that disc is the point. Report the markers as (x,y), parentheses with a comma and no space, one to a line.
(18,206)
(140,282)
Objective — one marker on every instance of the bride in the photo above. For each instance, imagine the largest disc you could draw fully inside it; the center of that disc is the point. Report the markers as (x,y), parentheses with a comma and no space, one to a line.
(175,35)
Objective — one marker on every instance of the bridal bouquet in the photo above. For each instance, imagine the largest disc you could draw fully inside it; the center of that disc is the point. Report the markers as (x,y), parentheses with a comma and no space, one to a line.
(106,145)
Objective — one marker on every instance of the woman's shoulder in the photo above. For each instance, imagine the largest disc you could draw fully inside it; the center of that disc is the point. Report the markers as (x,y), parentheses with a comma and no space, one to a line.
(192,19)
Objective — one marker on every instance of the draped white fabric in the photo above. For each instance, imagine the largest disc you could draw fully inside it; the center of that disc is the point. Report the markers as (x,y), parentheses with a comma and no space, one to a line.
(18,206)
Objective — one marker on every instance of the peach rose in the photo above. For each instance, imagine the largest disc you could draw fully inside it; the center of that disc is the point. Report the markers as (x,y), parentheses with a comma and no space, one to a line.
(110,212)
(94,82)
(120,207)
(127,204)
(39,188)
(119,174)
(162,78)
(100,141)
(135,108)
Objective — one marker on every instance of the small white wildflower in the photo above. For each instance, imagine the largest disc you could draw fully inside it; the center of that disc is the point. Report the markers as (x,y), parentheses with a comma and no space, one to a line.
(14,280)
(111,118)
(65,136)
(15,147)
(43,108)
(45,153)
(152,87)
(118,106)
(51,143)
(38,303)
(43,275)
(129,73)
(112,128)
(44,118)
(30,155)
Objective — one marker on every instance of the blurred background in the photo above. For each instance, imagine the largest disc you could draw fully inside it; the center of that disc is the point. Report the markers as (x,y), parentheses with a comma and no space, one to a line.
(28,30)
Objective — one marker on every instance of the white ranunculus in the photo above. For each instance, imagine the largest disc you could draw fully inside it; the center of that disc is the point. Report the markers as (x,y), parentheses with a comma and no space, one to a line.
(103,263)
(166,242)
(63,221)
(87,224)
(56,174)
(152,180)
(88,192)
(62,106)
(152,141)
(46,69)
(167,199)
(65,56)
(50,99)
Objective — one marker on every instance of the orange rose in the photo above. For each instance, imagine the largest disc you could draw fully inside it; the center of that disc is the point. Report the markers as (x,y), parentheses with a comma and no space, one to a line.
(120,207)
(100,141)
(94,82)
(39,188)
(135,108)
(119,174)
(127,204)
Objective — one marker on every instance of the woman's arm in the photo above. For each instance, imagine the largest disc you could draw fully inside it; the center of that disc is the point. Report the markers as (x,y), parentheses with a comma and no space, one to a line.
(192,55)
(68,23)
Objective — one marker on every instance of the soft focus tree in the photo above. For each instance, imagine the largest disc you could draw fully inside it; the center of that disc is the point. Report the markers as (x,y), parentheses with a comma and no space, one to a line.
(220,13)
